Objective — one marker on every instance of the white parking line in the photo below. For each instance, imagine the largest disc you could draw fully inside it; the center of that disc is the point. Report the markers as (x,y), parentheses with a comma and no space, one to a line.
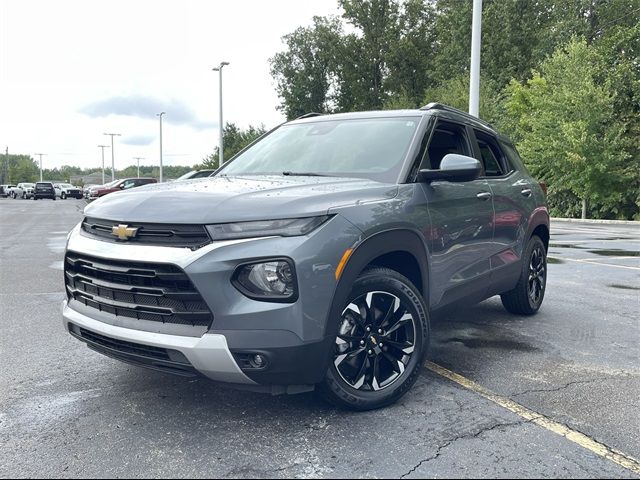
(589,262)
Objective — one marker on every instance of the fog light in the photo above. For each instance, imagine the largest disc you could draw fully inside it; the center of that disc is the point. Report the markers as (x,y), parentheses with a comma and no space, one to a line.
(273,280)
(257,361)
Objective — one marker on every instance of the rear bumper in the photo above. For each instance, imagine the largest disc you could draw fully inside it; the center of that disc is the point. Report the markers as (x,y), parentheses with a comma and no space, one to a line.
(208,355)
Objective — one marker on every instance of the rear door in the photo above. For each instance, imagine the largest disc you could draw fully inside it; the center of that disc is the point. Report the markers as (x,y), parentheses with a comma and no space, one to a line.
(461,216)
(513,202)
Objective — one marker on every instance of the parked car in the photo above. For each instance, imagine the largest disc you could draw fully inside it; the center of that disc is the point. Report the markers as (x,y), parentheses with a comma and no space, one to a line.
(196,174)
(119,185)
(86,188)
(22,190)
(66,190)
(44,190)
(5,190)
(315,258)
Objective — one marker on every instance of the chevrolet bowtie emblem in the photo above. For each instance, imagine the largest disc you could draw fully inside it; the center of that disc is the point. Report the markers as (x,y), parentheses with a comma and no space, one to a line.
(124,232)
(373,340)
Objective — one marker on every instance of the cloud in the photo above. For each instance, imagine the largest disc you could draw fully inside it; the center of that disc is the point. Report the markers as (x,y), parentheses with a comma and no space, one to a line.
(138,140)
(142,106)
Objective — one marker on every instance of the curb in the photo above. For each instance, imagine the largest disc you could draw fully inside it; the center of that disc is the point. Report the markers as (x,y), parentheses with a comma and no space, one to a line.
(610,222)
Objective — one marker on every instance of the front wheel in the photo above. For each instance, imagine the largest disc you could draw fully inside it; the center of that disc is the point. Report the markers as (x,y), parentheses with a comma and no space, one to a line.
(383,336)
(63,196)
(526,298)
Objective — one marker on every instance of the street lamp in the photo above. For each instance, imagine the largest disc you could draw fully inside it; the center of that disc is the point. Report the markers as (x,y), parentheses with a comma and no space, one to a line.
(40,155)
(476,38)
(221,151)
(113,160)
(138,159)
(160,115)
(102,147)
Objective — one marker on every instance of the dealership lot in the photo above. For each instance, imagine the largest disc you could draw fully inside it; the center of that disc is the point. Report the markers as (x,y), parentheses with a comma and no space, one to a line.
(67,411)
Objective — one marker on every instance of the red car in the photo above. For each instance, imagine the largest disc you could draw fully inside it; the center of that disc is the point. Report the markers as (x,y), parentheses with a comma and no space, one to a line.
(116,186)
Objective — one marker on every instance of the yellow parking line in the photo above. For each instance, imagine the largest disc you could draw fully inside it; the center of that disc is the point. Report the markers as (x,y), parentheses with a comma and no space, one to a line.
(588,262)
(539,419)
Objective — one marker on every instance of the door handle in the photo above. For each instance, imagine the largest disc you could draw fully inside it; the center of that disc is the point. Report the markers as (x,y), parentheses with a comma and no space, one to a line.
(483,196)
(526,192)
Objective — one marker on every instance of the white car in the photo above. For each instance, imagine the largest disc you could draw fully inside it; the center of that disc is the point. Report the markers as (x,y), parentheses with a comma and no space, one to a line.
(66,190)
(22,190)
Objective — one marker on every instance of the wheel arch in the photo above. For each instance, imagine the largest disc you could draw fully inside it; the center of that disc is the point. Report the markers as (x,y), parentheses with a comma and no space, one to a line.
(381,249)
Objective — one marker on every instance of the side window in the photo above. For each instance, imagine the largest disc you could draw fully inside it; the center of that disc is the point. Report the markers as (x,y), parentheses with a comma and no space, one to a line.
(494,160)
(447,138)
(128,184)
(513,156)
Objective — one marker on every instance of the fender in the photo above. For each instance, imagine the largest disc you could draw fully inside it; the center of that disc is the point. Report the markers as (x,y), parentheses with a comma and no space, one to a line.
(539,216)
(397,240)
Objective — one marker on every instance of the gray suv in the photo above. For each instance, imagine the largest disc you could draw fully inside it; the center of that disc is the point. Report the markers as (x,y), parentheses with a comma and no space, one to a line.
(314,258)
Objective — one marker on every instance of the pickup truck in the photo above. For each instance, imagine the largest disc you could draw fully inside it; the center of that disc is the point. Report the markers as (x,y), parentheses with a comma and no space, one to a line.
(5,190)
(66,190)
(22,190)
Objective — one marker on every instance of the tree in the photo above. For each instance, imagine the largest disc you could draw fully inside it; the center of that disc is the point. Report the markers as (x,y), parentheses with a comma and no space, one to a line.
(235,139)
(568,130)
(20,168)
(303,72)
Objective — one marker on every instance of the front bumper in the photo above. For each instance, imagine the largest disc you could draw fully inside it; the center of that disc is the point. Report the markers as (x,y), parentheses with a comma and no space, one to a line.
(292,336)
(208,354)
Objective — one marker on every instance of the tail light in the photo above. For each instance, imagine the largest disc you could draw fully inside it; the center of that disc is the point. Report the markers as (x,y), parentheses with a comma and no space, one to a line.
(543,186)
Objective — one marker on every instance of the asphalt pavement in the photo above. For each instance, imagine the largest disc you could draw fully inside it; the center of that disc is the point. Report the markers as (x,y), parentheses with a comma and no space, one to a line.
(66,411)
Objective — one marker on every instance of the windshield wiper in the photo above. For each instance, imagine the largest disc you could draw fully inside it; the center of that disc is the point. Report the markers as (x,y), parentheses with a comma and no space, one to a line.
(304,174)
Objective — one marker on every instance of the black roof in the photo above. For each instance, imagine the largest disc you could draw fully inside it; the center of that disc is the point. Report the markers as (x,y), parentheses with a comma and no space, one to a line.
(431,108)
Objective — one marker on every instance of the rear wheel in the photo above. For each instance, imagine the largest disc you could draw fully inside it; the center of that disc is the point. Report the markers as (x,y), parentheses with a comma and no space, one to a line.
(382,339)
(526,298)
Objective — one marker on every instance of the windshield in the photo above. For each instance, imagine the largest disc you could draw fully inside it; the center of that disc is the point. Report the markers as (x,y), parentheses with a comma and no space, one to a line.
(66,185)
(371,148)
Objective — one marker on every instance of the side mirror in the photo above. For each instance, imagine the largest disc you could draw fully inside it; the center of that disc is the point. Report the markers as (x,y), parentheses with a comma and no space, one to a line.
(453,168)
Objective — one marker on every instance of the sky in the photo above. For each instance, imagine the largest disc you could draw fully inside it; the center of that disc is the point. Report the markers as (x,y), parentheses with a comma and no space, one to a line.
(71,71)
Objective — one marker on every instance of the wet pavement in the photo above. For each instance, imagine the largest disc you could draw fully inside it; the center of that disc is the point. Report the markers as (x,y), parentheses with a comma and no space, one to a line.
(67,411)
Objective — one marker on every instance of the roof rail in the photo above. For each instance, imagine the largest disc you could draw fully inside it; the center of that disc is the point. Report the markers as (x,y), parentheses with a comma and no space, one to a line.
(309,115)
(447,108)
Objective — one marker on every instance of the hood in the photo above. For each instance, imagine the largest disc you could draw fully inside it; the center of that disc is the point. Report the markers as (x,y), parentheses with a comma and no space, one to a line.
(235,199)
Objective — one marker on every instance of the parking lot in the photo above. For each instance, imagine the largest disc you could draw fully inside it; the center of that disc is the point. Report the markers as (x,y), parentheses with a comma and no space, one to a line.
(67,411)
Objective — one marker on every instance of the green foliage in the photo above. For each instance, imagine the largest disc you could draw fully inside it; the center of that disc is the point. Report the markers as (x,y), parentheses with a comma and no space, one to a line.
(18,168)
(568,130)
(235,139)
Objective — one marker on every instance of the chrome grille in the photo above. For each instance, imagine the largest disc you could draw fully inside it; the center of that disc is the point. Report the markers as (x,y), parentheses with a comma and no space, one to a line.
(143,291)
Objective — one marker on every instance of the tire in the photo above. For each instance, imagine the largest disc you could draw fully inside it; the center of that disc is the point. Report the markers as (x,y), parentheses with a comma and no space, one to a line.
(63,196)
(365,377)
(24,196)
(527,296)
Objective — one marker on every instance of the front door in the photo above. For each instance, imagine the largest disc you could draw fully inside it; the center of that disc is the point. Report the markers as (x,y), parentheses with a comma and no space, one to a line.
(461,216)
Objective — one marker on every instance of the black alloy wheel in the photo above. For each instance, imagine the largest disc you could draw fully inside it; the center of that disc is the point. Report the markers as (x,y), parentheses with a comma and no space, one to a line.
(527,296)
(375,341)
(382,338)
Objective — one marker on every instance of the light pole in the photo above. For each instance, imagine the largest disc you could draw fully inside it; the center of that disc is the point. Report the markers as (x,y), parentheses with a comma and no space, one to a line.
(40,155)
(138,159)
(113,159)
(102,147)
(221,151)
(160,115)
(476,38)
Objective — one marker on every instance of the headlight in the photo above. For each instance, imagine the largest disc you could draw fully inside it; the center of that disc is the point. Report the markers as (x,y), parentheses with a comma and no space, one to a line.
(290,227)
(272,280)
